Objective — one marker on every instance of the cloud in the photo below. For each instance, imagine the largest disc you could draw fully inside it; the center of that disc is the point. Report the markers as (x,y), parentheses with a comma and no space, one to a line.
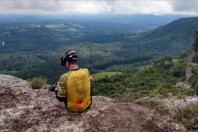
(99,6)
(141,6)
(185,6)
(29,5)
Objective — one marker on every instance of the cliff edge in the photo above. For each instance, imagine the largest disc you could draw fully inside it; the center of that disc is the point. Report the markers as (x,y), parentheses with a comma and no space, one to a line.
(25,109)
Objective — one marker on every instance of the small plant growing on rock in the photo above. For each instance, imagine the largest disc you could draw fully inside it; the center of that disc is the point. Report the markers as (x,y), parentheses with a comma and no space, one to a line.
(188,116)
(38,82)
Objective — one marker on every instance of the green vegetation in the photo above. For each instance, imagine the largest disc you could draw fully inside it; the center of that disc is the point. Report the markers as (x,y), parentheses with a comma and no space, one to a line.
(169,39)
(33,49)
(102,75)
(158,78)
(38,82)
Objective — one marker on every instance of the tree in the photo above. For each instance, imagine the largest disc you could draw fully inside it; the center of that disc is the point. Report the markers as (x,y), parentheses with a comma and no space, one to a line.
(164,63)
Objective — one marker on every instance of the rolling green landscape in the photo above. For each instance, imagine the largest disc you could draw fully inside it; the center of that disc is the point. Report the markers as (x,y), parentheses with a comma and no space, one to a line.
(123,62)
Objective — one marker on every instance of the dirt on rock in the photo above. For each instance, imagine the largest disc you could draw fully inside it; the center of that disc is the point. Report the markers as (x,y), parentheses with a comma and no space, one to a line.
(25,109)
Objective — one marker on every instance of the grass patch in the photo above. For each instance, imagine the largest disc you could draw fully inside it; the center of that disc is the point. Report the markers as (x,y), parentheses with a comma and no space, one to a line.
(38,82)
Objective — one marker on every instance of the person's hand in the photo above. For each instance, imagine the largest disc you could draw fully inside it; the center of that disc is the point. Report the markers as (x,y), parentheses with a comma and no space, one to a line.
(52,88)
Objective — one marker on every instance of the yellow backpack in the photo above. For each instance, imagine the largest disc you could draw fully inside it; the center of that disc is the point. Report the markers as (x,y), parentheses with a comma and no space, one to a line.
(78,89)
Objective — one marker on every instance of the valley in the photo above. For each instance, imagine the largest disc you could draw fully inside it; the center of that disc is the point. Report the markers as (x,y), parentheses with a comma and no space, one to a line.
(32,47)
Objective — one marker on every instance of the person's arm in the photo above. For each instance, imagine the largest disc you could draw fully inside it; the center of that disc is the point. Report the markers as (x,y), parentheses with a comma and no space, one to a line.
(91,86)
(91,83)
(61,99)
(61,90)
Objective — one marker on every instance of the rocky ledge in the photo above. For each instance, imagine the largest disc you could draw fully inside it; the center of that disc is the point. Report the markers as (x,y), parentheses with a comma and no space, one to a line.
(25,109)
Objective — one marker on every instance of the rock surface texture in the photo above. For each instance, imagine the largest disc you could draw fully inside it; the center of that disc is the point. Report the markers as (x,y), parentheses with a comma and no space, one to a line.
(192,68)
(25,109)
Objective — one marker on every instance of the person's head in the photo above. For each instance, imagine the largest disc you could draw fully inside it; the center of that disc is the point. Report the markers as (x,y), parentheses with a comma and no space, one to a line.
(69,59)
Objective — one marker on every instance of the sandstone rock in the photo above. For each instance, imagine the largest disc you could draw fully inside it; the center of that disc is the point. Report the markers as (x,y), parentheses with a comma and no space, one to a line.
(172,103)
(102,98)
(25,109)
(185,102)
(192,67)
(189,71)
(11,81)
(182,85)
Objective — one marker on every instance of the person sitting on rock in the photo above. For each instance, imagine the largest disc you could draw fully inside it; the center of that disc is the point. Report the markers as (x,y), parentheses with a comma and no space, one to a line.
(74,87)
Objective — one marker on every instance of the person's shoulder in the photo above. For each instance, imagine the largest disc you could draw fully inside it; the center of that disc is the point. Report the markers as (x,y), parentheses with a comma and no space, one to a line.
(65,75)
(84,69)
(87,72)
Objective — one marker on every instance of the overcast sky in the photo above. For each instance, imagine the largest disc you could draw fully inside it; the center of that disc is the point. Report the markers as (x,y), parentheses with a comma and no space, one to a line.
(155,7)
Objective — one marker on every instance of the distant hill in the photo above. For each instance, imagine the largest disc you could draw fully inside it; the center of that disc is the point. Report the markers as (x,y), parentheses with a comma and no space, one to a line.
(168,39)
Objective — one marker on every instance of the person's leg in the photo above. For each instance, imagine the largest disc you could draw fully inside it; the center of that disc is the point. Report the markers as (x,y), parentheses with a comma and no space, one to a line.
(65,102)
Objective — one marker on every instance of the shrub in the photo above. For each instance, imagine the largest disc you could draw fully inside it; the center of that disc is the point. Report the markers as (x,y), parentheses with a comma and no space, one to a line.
(164,62)
(38,82)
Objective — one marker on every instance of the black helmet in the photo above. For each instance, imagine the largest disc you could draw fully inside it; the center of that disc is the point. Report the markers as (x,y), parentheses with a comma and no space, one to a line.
(70,56)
